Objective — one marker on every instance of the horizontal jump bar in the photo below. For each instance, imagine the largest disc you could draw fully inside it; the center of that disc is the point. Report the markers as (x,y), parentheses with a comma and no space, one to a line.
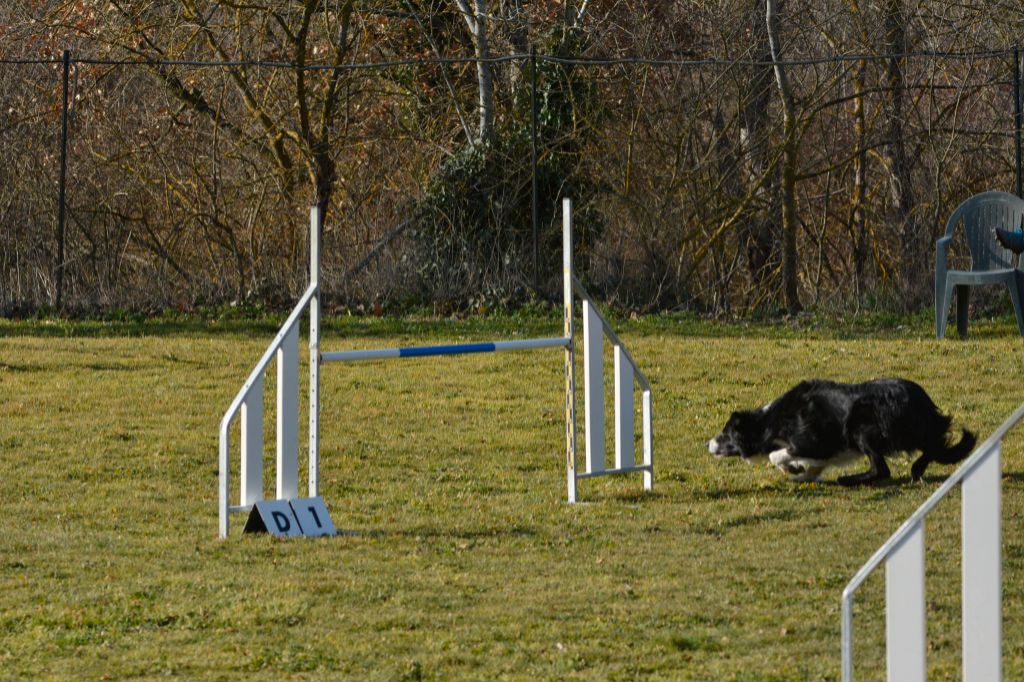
(458,349)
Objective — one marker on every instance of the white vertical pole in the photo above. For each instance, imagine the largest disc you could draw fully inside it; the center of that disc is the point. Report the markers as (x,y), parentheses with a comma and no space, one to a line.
(905,640)
(288,416)
(625,455)
(648,418)
(570,368)
(315,230)
(593,387)
(846,636)
(251,474)
(223,482)
(982,573)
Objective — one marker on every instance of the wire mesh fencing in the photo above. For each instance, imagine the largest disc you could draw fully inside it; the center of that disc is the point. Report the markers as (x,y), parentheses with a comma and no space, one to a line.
(187,182)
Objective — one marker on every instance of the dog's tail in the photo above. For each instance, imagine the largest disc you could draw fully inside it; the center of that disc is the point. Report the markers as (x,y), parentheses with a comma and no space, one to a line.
(943,453)
(952,454)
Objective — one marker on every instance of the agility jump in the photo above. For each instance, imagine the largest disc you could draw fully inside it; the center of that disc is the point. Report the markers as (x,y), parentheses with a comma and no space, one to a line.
(248,403)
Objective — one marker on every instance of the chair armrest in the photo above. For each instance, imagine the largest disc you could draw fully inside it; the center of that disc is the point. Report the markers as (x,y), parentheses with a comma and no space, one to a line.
(941,251)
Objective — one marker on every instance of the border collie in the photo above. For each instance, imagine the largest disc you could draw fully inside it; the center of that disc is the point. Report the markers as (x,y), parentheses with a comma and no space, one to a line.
(821,424)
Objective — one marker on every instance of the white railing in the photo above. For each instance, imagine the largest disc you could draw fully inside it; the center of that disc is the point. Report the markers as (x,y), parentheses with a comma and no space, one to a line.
(981,596)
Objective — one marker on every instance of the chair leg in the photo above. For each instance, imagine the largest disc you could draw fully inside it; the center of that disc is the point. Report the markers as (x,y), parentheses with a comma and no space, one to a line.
(942,309)
(1015,296)
(963,301)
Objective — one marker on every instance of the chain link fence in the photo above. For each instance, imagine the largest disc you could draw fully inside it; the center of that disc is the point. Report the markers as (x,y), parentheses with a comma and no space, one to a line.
(187,183)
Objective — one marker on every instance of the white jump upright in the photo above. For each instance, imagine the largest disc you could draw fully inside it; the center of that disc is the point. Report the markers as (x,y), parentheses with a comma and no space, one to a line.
(981,566)
(627,375)
(284,350)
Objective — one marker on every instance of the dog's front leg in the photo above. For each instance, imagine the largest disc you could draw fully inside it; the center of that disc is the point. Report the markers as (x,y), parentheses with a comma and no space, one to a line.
(799,469)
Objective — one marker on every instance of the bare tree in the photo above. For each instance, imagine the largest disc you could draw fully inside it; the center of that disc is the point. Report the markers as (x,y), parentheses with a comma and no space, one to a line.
(901,187)
(857,200)
(291,126)
(761,233)
(476,20)
(790,150)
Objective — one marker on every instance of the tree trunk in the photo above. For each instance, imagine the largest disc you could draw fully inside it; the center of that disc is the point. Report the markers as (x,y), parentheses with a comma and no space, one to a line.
(476,21)
(858,217)
(760,234)
(790,219)
(911,266)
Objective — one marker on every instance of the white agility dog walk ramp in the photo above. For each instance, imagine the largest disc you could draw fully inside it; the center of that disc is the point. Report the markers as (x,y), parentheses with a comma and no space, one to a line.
(903,554)
(284,350)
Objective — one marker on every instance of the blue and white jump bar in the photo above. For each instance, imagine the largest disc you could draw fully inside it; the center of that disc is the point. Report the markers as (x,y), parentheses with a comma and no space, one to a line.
(247,406)
(457,349)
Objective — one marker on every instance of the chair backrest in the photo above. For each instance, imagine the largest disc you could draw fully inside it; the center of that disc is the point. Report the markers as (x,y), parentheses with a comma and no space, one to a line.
(981,214)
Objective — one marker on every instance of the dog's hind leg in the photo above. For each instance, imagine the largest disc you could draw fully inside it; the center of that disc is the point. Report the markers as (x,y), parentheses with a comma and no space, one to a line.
(918,467)
(864,431)
(879,470)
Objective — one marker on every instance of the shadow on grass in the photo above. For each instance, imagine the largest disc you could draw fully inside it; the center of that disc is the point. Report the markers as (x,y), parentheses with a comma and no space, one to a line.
(720,527)
(1013,477)
(628,497)
(434,533)
(8,367)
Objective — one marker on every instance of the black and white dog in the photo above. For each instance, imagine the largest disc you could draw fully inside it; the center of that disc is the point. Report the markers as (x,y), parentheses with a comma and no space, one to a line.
(821,424)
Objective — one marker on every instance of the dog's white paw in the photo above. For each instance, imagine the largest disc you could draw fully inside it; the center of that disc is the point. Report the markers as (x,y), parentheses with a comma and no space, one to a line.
(779,458)
(799,470)
(810,475)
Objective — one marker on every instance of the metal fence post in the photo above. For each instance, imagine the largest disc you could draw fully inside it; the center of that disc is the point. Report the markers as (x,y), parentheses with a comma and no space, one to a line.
(533,165)
(1017,114)
(62,182)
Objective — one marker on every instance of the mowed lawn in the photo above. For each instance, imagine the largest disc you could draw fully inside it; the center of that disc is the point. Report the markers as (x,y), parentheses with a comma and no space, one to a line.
(461,558)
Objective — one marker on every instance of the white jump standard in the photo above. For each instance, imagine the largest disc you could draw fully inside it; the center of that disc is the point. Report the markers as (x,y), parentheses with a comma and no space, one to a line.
(284,348)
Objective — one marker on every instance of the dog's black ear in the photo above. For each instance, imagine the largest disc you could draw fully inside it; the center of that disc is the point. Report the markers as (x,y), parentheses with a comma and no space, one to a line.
(743,416)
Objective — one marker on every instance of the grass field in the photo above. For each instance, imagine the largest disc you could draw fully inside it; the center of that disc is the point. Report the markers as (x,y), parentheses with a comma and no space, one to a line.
(463,560)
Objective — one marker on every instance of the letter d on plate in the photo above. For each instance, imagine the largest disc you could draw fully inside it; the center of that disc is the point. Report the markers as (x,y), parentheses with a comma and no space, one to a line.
(275,517)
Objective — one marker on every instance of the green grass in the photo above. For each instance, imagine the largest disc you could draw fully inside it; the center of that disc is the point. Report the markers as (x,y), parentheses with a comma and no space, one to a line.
(464,561)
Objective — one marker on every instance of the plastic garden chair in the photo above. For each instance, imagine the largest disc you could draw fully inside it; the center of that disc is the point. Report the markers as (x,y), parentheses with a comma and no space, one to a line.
(990,263)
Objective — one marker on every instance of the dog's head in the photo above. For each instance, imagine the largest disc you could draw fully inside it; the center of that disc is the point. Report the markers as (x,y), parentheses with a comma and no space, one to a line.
(742,436)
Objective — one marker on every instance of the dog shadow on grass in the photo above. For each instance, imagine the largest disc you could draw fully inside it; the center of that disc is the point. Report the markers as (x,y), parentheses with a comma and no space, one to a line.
(1013,477)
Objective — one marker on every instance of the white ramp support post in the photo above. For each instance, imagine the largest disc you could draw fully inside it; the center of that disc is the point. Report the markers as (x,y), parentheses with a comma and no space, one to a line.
(315,231)
(982,571)
(288,416)
(648,425)
(905,642)
(593,387)
(251,475)
(224,480)
(624,407)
